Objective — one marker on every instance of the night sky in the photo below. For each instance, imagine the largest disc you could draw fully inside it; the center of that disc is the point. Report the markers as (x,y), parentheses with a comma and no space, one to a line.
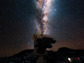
(17,25)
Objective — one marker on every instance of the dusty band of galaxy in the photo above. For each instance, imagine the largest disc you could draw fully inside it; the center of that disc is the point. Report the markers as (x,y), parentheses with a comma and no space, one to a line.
(43,10)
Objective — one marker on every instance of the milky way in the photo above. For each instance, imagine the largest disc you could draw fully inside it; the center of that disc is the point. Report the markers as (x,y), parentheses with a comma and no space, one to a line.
(43,10)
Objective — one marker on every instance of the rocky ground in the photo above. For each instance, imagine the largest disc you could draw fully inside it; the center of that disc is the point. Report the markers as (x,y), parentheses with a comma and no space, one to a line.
(63,55)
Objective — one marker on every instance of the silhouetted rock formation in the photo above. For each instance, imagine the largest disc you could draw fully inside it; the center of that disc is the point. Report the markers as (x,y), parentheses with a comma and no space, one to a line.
(43,43)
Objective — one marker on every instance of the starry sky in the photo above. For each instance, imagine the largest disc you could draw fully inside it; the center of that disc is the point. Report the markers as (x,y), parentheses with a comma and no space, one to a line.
(17,25)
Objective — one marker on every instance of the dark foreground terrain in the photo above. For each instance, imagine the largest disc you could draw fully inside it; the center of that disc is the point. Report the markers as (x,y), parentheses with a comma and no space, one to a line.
(63,55)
